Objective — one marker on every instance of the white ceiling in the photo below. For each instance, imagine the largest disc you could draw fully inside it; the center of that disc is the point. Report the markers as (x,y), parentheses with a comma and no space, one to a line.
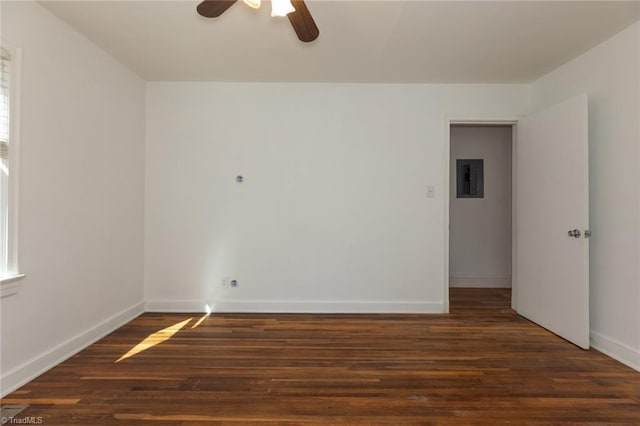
(360,41)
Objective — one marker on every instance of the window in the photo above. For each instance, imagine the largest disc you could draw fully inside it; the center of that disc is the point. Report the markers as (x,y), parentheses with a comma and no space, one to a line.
(4,162)
(9,272)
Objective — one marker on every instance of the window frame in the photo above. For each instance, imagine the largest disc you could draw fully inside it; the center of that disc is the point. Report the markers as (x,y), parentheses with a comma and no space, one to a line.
(10,282)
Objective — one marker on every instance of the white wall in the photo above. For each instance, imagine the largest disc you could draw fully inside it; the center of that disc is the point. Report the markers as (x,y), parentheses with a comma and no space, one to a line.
(638,190)
(610,75)
(333,214)
(480,228)
(82,192)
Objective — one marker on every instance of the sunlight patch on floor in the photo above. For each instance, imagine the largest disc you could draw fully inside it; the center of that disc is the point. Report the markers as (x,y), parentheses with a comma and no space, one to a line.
(155,339)
(204,317)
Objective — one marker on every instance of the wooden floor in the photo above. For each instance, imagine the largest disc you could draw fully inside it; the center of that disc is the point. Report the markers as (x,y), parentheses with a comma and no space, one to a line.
(480,364)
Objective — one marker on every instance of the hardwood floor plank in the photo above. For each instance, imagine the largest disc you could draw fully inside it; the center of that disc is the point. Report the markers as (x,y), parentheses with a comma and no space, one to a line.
(481,364)
(40,401)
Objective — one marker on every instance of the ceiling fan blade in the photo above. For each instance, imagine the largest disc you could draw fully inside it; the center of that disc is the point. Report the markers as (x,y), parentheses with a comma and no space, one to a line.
(214,8)
(302,22)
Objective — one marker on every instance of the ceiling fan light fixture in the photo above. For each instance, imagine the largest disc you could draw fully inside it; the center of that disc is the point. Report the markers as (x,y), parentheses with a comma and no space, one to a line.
(301,19)
(253,3)
(281,7)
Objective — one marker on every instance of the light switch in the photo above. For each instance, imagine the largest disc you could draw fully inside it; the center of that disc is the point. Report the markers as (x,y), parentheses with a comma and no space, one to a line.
(431,191)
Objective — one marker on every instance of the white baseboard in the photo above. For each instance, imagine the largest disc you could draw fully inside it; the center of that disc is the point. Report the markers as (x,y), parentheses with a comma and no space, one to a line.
(616,350)
(31,369)
(262,306)
(485,281)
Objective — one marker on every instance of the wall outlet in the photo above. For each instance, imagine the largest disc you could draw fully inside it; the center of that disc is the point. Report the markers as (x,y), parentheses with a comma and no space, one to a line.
(234,283)
(224,281)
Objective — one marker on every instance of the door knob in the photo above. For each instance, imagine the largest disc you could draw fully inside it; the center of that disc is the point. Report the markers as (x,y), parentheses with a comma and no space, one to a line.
(575,233)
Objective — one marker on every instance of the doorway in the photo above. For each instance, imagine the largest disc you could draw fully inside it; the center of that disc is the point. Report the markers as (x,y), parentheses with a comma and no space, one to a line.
(550,215)
(480,205)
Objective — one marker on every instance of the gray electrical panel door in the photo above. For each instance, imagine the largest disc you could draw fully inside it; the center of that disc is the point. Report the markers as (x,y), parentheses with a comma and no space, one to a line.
(470,178)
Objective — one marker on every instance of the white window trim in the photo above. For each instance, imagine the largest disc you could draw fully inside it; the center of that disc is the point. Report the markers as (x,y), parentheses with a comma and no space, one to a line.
(10,284)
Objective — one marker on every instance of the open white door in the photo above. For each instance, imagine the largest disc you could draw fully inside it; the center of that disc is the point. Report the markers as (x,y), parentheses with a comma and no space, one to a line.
(551,264)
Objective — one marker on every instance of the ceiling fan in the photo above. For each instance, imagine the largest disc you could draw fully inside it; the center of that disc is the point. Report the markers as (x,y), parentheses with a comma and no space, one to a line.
(295,10)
